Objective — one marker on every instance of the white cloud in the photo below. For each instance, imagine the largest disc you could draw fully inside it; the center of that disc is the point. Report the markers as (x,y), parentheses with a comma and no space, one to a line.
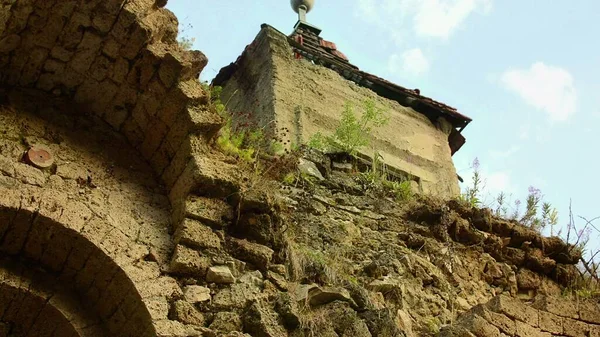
(412,62)
(506,153)
(493,182)
(547,88)
(496,182)
(430,18)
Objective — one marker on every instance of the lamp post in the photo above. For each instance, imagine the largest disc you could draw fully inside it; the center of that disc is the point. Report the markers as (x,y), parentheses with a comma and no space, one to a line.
(302,7)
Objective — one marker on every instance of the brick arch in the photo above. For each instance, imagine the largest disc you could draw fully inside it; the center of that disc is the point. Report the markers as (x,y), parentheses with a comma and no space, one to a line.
(46,263)
(121,61)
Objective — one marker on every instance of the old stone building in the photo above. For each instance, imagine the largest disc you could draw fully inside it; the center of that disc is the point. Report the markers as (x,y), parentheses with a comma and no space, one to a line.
(118,217)
(299,85)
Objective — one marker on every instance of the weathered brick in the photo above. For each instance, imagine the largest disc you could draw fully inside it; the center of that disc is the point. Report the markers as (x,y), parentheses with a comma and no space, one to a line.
(550,322)
(574,328)
(560,307)
(515,309)
(589,312)
(194,234)
(526,330)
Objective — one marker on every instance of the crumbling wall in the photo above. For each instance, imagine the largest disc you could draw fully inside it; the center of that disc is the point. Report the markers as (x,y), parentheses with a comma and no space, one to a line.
(98,219)
(120,61)
(544,317)
(297,99)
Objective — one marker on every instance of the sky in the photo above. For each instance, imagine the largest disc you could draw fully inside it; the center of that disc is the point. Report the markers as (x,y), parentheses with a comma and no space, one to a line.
(526,71)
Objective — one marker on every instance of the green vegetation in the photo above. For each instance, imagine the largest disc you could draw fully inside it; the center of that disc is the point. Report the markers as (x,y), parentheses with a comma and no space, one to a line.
(538,215)
(240,136)
(186,43)
(352,133)
(377,178)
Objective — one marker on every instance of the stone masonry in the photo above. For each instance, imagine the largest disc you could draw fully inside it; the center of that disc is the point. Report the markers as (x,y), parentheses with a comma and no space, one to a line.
(295,98)
(130,223)
(544,317)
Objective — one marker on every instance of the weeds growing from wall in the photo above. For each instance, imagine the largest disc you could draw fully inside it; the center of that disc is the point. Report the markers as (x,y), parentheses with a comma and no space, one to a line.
(352,133)
(537,214)
(241,136)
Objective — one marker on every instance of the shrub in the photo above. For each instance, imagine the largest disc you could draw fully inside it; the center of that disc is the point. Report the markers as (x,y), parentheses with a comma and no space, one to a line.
(352,133)
(243,138)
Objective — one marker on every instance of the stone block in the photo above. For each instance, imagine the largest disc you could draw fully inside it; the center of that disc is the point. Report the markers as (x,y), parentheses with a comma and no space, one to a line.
(526,330)
(514,308)
(550,322)
(479,326)
(220,274)
(260,256)
(589,312)
(195,234)
(187,313)
(86,53)
(186,261)
(574,328)
(196,294)
(212,211)
(561,307)
(154,138)
(29,175)
(238,296)
(322,295)
(226,322)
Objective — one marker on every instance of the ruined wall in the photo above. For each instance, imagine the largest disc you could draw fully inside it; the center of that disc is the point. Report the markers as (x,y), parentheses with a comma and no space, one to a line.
(544,317)
(120,61)
(140,228)
(98,220)
(302,98)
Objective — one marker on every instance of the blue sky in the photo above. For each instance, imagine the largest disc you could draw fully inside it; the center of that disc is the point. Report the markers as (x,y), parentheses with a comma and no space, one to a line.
(526,71)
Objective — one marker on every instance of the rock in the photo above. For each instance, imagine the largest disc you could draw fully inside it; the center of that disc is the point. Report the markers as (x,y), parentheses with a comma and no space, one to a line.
(382,323)
(350,209)
(226,322)
(254,278)
(187,313)
(318,208)
(521,234)
(196,294)
(513,256)
(308,168)
(7,167)
(194,234)
(29,175)
(259,320)
(288,311)
(319,296)
(301,293)
(278,280)
(482,219)
(256,227)
(528,280)
(220,274)
(557,249)
(237,296)
(344,167)
(214,212)
(322,161)
(536,261)
(260,256)
(383,286)
(279,269)
(404,323)
(189,262)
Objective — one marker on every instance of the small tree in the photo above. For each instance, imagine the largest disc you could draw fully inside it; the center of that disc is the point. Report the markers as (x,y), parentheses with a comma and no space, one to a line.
(352,133)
